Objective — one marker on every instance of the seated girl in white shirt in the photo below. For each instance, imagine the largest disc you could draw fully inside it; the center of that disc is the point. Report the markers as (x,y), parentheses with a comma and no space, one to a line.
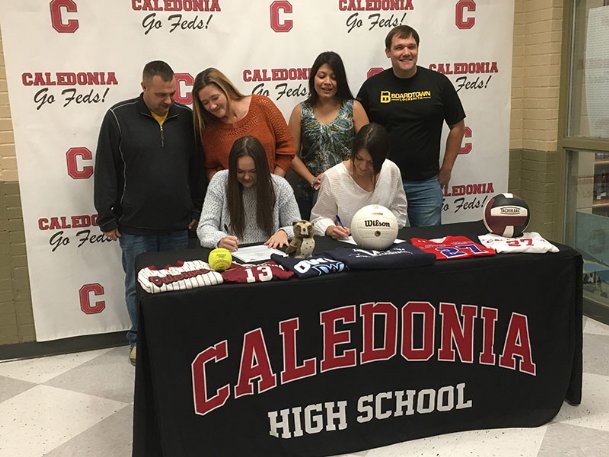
(367,178)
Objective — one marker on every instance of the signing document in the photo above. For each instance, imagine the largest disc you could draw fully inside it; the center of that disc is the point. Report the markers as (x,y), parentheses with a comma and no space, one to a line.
(257,253)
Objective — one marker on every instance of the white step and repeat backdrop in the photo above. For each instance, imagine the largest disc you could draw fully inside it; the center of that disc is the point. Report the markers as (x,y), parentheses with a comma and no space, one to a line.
(68,61)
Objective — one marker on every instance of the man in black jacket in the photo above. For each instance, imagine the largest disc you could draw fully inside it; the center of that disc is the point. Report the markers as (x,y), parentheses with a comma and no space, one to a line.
(148,180)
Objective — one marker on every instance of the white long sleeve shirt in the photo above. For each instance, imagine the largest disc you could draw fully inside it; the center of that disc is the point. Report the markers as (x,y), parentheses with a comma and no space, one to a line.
(340,195)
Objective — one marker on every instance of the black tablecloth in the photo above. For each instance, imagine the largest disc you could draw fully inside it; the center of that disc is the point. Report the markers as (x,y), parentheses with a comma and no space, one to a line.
(359,359)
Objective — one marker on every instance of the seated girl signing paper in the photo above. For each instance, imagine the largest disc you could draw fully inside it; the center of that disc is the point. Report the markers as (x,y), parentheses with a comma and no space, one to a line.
(246,203)
(366,178)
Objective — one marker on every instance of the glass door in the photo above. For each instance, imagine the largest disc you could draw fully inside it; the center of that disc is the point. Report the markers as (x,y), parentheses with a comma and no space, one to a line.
(585,141)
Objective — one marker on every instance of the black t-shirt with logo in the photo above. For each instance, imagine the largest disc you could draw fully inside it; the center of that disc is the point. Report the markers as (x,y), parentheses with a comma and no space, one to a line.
(317,265)
(401,255)
(413,110)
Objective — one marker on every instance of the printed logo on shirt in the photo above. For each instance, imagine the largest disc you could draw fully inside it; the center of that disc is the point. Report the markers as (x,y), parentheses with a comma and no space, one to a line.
(388,97)
(372,253)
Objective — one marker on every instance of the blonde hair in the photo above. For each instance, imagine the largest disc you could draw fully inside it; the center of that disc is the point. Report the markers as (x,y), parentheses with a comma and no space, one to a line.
(201,116)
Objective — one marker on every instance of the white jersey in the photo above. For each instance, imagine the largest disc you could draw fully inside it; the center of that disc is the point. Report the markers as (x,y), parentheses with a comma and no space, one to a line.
(184,275)
(531,242)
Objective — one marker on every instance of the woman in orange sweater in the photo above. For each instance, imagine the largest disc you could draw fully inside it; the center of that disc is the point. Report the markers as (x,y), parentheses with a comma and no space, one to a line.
(222,115)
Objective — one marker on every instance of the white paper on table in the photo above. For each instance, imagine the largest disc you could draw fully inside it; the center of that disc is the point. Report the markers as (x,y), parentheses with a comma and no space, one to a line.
(256,253)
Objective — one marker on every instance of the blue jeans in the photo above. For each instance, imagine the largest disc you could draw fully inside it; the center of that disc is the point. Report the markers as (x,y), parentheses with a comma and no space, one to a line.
(134,245)
(424,202)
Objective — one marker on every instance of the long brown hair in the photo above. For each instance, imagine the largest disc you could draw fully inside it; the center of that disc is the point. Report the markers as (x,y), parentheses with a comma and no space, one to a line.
(265,192)
(201,116)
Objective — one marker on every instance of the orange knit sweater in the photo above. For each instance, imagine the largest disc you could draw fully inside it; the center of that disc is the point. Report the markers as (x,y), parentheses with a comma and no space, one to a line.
(263,121)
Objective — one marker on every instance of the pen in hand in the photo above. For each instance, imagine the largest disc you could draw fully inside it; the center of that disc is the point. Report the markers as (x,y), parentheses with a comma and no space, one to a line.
(340,231)
(229,242)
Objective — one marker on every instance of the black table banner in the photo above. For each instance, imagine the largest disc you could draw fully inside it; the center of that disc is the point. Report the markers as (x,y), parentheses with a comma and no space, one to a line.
(360,359)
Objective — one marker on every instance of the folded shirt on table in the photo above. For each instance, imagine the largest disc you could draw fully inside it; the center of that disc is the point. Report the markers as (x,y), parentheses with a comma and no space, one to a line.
(531,242)
(181,276)
(402,255)
(316,265)
(452,247)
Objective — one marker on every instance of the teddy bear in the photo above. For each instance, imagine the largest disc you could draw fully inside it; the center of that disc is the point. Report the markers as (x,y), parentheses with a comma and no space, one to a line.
(303,243)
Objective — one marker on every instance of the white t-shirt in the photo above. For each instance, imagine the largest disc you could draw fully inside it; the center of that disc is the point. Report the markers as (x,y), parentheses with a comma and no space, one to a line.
(341,195)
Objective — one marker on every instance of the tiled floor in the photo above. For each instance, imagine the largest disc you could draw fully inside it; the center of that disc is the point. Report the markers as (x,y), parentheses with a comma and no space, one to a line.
(82,405)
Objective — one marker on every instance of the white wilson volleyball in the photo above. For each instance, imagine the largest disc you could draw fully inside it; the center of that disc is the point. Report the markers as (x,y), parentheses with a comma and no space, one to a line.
(374,227)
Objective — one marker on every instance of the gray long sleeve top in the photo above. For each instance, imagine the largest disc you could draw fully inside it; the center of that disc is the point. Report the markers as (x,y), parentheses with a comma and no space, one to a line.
(215,216)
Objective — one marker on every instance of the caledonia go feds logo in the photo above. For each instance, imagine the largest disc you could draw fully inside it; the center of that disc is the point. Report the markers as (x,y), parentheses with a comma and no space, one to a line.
(77,94)
(280,75)
(372,14)
(64,18)
(86,87)
(64,14)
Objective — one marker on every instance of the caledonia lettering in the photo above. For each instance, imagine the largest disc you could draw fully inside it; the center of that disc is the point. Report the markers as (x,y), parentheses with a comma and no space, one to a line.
(470,189)
(173,278)
(175,5)
(66,222)
(276,74)
(448,333)
(375,5)
(82,78)
(462,68)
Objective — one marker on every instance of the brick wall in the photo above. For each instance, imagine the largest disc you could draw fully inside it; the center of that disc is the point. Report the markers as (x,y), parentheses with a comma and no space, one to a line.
(534,170)
(16,320)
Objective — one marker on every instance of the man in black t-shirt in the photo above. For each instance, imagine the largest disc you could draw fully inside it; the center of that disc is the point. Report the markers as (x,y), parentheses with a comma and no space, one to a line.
(412,103)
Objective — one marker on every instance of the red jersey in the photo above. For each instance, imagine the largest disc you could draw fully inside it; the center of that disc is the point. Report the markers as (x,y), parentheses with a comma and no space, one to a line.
(261,272)
(452,247)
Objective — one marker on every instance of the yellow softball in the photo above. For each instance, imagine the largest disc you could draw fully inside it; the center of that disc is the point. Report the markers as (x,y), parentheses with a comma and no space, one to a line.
(220,259)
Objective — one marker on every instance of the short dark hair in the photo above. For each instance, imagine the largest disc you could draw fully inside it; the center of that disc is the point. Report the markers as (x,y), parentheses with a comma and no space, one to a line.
(401,31)
(336,64)
(157,68)
(265,192)
(374,139)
